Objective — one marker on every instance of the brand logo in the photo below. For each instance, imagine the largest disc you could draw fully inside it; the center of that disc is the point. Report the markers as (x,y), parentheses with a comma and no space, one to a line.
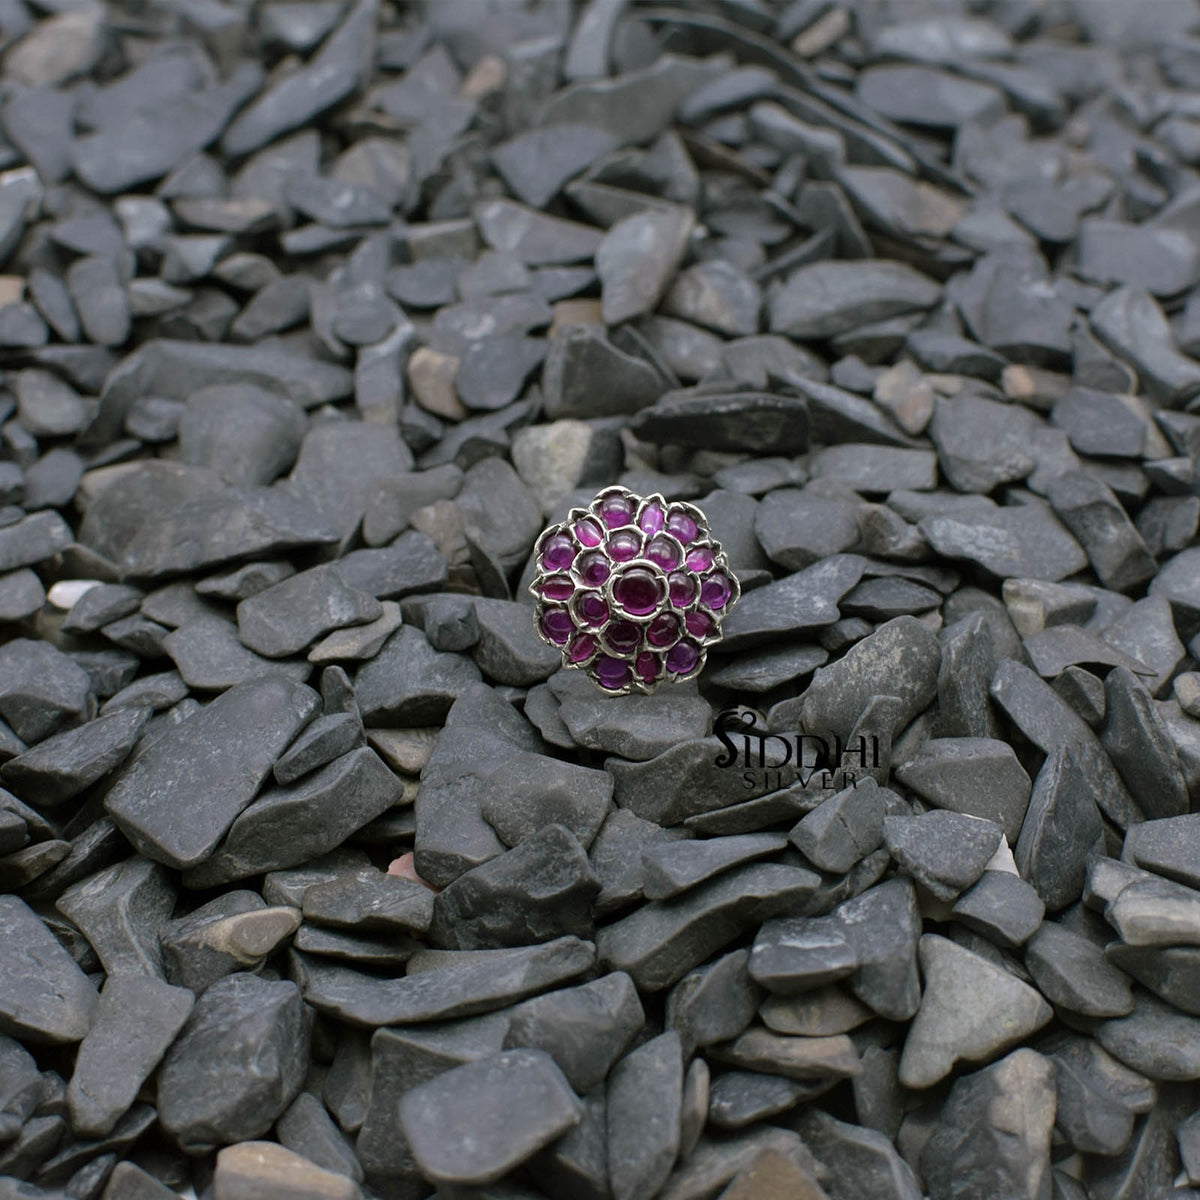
(771,760)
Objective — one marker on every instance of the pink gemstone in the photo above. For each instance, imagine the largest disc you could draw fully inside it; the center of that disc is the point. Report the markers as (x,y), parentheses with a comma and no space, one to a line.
(652,518)
(700,558)
(558,552)
(715,590)
(613,673)
(638,592)
(682,526)
(699,624)
(616,511)
(557,625)
(557,587)
(648,667)
(682,657)
(663,631)
(623,636)
(624,545)
(591,609)
(594,569)
(664,552)
(588,532)
(583,646)
(683,588)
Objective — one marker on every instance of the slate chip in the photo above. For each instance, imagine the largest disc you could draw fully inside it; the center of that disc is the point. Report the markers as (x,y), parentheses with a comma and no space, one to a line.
(212,767)
(237,1064)
(442,1119)
(44,996)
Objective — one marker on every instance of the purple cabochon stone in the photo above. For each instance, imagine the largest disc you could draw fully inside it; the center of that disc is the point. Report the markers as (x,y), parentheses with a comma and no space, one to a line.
(557,587)
(638,592)
(558,552)
(664,552)
(594,569)
(624,545)
(588,532)
(647,666)
(700,558)
(623,636)
(663,631)
(592,609)
(682,657)
(683,588)
(583,646)
(616,511)
(653,517)
(682,526)
(715,590)
(557,625)
(612,673)
(699,624)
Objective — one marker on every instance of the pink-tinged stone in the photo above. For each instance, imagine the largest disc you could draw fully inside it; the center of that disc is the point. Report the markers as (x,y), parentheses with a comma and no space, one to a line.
(612,673)
(700,558)
(683,588)
(652,518)
(663,631)
(664,552)
(699,624)
(557,587)
(715,590)
(616,511)
(592,609)
(638,592)
(647,666)
(588,532)
(558,552)
(624,545)
(682,526)
(406,868)
(623,636)
(557,625)
(583,646)
(594,569)
(682,657)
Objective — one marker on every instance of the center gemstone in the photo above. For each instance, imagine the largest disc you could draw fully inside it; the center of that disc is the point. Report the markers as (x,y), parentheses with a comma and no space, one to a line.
(638,592)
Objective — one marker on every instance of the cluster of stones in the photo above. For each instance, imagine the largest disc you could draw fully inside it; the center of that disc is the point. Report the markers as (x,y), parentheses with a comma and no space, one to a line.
(632,589)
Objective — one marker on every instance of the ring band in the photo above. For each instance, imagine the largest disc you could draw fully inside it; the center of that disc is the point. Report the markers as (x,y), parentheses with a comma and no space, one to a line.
(632,589)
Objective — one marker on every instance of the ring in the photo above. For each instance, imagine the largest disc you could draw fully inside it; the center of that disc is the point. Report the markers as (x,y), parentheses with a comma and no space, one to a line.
(632,589)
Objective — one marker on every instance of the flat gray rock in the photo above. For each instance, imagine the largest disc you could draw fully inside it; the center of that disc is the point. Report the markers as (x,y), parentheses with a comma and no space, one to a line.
(209,768)
(286,826)
(900,658)
(1025,540)
(476,1122)
(410,683)
(824,299)
(62,766)
(294,613)
(237,1064)
(794,605)
(970,1011)
(636,259)
(644,1109)
(539,890)
(585,1029)
(457,983)
(975,1151)
(944,851)
(1072,972)
(136,1019)
(1166,846)
(44,996)
(333,73)
(1155,1039)
(663,940)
